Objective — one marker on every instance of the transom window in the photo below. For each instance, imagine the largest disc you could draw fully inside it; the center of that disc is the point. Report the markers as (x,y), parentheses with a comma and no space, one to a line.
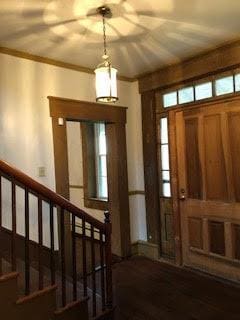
(205,90)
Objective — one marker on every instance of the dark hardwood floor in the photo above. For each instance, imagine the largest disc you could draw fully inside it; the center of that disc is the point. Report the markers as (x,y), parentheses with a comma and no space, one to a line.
(153,291)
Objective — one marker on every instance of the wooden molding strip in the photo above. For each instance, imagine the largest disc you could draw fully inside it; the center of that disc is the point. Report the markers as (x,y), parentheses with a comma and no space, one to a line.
(73,186)
(136,192)
(53,62)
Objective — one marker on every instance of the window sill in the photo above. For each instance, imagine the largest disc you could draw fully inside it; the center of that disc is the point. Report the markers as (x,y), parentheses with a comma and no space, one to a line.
(95,203)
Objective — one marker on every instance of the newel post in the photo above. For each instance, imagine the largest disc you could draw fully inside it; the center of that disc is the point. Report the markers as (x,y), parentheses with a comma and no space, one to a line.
(108,255)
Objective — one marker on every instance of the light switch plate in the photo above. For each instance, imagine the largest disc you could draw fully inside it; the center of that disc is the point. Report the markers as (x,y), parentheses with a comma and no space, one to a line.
(41,171)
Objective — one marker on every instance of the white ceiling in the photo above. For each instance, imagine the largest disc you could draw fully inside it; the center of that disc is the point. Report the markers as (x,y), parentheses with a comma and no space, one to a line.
(142,35)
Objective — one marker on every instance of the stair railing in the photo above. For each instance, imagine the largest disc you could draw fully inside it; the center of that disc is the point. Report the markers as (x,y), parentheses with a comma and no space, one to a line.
(79,262)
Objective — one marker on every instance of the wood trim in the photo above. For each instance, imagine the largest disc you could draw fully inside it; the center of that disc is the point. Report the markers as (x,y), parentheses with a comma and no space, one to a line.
(115,120)
(53,62)
(86,110)
(136,192)
(96,204)
(72,186)
(175,187)
(209,63)
(218,257)
(151,167)
(147,249)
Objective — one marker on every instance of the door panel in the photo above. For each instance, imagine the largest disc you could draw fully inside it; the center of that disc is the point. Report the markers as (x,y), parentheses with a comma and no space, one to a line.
(208,148)
(216,189)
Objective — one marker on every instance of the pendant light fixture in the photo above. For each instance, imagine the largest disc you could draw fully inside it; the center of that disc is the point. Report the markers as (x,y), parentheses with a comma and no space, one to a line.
(106,75)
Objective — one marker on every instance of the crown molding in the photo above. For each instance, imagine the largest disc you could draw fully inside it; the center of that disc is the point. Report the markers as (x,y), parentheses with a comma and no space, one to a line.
(53,62)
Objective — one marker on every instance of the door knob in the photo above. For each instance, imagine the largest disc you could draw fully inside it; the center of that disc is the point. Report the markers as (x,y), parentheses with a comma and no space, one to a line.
(182,194)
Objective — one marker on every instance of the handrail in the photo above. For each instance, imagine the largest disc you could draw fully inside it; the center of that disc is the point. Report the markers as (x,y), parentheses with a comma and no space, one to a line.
(93,253)
(48,193)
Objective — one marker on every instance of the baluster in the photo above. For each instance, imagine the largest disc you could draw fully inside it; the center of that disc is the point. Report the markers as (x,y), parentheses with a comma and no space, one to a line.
(84,256)
(14,227)
(63,262)
(102,272)
(94,310)
(27,262)
(108,255)
(0,201)
(74,260)
(52,257)
(1,271)
(40,244)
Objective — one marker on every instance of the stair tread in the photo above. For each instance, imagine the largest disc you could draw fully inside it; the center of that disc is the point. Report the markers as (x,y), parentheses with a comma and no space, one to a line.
(9,276)
(71,305)
(36,294)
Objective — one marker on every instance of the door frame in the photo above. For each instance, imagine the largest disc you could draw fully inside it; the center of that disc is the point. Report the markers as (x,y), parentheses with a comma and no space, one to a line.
(115,120)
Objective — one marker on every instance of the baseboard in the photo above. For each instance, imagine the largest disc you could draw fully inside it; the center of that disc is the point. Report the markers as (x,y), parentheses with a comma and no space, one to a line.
(147,249)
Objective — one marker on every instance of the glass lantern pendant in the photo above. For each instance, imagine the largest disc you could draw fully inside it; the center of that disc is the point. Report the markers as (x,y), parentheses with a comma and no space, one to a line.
(105,74)
(106,82)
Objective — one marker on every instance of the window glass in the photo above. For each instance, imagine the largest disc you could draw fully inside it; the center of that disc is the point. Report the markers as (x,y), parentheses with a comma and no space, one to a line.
(103,166)
(102,139)
(237,82)
(166,190)
(166,175)
(224,85)
(203,91)
(185,95)
(103,189)
(170,99)
(164,130)
(101,161)
(165,157)
(164,166)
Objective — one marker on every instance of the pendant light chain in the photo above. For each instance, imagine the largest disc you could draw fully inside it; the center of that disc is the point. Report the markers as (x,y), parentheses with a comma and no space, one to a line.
(104,36)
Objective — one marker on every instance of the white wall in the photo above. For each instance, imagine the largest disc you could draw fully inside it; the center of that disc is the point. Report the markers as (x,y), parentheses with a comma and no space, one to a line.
(26,130)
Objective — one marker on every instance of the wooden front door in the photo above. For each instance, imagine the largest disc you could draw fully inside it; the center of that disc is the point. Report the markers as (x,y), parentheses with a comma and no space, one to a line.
(208,166)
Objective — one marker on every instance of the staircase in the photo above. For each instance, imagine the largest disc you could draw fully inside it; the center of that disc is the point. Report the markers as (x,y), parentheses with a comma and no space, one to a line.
(55,259)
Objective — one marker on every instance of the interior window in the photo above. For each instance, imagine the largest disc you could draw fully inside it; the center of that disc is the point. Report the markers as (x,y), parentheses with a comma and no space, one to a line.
(164,147)
(224,85)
